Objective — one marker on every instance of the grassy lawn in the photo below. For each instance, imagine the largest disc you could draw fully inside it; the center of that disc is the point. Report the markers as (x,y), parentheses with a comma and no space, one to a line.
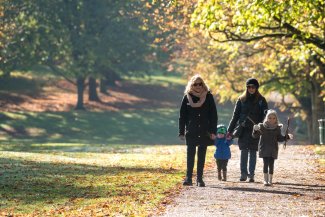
(124,163)
(132,181)
(125,127)
(69,163)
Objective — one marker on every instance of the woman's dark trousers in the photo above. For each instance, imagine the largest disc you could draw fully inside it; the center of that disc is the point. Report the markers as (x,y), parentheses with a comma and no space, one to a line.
(191,150)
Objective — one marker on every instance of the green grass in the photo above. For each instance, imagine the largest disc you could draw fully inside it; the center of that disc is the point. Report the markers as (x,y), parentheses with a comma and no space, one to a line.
(21,131)
(94,163)
(32,131)
(68,162)
(19,83)
(166,81)
(57,183)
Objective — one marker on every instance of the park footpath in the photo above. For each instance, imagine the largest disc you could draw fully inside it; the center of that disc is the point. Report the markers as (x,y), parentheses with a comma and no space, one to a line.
(298,189)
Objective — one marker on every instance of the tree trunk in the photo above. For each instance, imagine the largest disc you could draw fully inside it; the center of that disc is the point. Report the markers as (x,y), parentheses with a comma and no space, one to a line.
(318,110)
(92,90)
(102,86)
(111,77)
(80,91)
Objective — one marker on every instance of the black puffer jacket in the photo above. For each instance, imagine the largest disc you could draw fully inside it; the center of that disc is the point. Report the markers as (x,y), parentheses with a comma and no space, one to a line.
(255,107)
(198,123)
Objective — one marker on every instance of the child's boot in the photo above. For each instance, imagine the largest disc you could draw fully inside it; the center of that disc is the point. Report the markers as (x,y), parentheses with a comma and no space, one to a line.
(270,179)
(266,179)
(219,175)
(224,173)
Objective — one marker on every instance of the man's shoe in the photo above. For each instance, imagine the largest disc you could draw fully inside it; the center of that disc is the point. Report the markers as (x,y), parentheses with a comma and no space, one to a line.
(251,179)
(242,179)
(200,183)
(188,182)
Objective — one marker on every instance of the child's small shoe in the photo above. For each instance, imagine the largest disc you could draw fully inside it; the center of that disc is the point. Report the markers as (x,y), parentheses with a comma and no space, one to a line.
(219,175)
(266,179)
(224,176)
(270,179)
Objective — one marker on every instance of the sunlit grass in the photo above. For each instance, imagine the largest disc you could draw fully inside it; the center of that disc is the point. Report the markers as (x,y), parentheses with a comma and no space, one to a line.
(134,181)
(160,80)
(52,182)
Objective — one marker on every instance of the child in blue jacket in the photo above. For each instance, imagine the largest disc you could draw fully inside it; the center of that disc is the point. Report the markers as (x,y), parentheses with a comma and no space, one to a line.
(222,153)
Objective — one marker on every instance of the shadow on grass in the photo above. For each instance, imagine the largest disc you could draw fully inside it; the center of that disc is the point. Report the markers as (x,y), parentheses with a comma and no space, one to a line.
(29,182)
(127,127)
(19,85)
(31,131)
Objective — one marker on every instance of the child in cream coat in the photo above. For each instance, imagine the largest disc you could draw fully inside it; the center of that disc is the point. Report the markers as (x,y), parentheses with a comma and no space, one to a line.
(269,133)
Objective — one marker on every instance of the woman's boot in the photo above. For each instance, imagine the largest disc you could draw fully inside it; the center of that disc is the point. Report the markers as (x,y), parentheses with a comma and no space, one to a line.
(199,182)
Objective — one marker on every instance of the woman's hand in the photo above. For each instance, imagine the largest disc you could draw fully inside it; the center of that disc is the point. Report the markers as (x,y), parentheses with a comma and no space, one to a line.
(290,136)
(229,136)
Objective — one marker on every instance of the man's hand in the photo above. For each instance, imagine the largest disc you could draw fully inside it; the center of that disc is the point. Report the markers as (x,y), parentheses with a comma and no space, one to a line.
(213,136)
(181,137)
(290,136)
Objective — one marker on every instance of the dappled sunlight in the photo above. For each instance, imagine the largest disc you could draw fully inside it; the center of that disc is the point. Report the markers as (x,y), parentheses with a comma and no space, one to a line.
(49,183)
(128,158)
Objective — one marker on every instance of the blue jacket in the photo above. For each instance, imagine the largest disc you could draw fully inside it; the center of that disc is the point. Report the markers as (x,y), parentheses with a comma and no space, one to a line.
(222,149)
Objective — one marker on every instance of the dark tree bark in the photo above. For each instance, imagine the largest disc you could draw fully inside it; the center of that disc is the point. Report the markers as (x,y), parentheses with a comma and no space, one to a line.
(102,86)
(317,110)
(111,77)
(92,91)
(80,90)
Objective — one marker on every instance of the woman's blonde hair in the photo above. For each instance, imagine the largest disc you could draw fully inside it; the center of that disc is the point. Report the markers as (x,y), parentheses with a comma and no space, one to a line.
(190,83)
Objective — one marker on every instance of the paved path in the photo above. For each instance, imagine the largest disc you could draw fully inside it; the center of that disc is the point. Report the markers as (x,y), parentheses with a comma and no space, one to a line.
(298,190)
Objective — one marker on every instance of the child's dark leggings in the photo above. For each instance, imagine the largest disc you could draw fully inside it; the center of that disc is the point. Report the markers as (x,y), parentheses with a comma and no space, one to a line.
(268,165)
(222,164)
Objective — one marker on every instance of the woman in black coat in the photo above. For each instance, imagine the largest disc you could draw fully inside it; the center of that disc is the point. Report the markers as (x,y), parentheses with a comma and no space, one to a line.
(197,124)
(250,107)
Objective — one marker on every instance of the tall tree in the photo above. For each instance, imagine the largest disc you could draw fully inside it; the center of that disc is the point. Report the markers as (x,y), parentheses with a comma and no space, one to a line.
(285,37)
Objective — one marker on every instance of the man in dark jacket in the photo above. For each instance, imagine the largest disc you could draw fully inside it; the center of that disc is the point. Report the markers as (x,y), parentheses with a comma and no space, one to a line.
(250,107)
(197,123)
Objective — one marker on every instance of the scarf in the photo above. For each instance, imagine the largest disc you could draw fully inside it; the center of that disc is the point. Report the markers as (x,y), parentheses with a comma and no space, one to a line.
(267,125)
(201,95)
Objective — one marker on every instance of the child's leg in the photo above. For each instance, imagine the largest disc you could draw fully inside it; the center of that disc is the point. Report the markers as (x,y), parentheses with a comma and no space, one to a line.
(265,165)
(271,170)
(219,167)
(265,171)
(271,166)
(219,164)
(224,168)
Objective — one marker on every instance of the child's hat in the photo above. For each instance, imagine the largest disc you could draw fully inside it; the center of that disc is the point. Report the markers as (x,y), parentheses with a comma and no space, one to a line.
(221,129)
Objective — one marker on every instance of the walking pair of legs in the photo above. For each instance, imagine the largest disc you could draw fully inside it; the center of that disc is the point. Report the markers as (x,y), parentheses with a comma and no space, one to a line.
(244,155)
(222,165)
(191,151)
(268,168)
